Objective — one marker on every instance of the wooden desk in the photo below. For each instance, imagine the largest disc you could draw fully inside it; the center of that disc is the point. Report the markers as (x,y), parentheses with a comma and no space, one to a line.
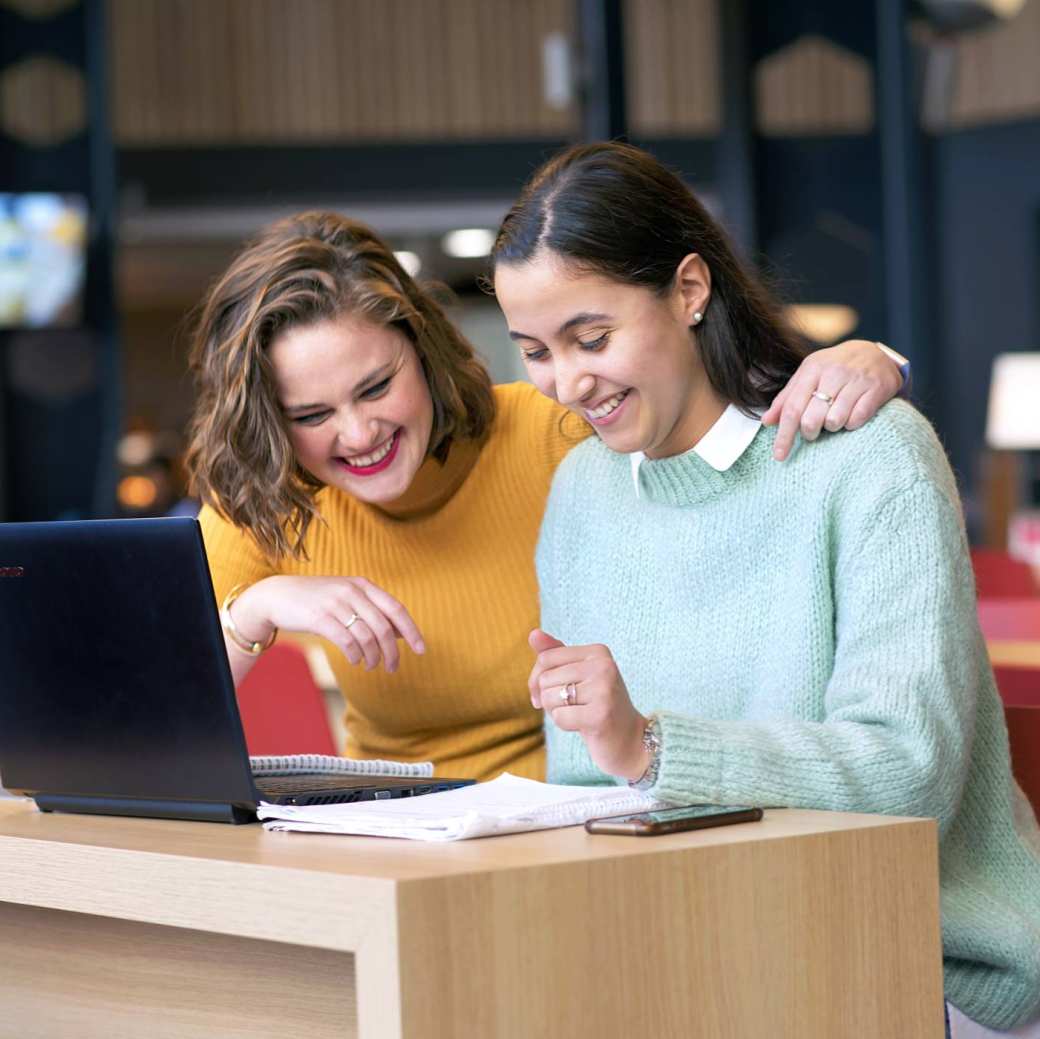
(809,924)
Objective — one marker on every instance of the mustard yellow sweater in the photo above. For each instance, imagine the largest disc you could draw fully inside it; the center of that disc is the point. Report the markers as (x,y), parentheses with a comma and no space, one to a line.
(458,552)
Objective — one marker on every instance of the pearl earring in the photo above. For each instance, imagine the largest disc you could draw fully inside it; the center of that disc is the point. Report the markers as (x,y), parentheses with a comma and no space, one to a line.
(697,317)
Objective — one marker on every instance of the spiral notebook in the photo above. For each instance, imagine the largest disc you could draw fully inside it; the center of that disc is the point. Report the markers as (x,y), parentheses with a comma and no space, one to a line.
(330,765)
(508,804)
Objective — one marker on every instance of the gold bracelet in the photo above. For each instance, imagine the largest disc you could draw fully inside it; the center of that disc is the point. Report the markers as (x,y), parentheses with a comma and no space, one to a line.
(254,649)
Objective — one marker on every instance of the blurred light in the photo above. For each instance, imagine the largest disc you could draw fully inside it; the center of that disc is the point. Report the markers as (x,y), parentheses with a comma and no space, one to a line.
(468,242)
(557,71)
(1007,8)
(1013,417)
(409,261)
(822,322)
(38,211)
(136,448)
(137,492)
(962,15)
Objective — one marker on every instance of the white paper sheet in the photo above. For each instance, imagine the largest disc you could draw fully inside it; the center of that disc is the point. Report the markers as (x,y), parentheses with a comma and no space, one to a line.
(507,804)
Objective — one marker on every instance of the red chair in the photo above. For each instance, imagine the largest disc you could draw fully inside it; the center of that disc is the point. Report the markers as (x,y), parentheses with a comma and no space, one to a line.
(1019,686)
(1020,690)
(1024,736)
(282,707)
(1010,620)
(1008,626)
(998,576)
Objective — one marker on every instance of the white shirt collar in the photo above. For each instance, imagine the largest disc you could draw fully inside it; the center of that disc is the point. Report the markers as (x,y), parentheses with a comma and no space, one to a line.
(721,446)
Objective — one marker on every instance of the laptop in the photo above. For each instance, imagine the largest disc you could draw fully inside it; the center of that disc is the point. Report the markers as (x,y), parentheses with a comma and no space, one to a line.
(116,697)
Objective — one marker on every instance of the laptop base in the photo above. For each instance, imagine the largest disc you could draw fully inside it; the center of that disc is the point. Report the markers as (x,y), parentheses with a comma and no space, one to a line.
(194,811)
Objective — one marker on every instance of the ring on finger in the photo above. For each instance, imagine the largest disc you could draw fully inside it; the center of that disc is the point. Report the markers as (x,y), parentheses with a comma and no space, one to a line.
(569,694)
(350,620)
(820,395)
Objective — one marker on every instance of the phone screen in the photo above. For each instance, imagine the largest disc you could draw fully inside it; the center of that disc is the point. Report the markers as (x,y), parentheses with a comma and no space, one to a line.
(671,815)
(674,820)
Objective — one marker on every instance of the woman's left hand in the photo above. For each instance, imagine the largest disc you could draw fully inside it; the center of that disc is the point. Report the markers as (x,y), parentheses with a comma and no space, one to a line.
(856,376)
(581,687)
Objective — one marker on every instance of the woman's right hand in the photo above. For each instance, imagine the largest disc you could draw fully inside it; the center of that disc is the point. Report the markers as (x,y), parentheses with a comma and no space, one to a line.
(360,618)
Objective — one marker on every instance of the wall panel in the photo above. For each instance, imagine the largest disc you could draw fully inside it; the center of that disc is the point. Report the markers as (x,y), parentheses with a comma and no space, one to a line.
(243,72)
(997,73)
(672,67)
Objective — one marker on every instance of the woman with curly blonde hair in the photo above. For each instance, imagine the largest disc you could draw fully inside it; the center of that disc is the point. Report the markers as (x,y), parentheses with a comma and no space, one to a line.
(363,481)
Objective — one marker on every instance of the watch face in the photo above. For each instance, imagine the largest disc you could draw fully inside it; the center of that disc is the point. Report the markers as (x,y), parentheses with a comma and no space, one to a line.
(651,740)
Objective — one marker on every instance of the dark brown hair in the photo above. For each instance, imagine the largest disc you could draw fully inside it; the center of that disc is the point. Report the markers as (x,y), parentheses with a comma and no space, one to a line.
(613,209)
(305,269)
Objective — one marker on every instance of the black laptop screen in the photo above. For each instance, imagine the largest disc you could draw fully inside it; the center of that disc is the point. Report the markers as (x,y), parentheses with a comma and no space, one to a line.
(113,674)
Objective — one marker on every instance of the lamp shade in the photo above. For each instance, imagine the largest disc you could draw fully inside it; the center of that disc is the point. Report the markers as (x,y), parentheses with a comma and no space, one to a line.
(823,323)
(1013,416)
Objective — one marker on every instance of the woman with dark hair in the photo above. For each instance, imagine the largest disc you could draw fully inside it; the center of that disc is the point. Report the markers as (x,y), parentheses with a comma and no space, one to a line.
(364,482)
(717,628)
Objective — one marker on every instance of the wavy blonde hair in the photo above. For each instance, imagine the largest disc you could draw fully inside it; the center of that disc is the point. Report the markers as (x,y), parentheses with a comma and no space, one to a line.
(308,268)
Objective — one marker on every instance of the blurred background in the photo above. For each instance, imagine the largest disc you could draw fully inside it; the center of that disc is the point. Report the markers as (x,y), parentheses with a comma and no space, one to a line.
(881,158)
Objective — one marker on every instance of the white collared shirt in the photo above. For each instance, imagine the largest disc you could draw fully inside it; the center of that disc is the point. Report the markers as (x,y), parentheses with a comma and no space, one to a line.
(720,447)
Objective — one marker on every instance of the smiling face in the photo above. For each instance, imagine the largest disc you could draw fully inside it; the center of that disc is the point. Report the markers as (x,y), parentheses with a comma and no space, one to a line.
(357,406)
(619,355)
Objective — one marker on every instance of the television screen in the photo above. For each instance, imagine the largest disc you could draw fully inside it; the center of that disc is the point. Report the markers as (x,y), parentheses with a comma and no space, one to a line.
(43,240)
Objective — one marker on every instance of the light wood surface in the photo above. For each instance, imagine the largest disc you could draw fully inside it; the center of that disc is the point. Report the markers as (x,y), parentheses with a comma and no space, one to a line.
(998,76)
(326,72)
(806,924)
(672,72)
(813,87)
(59,969)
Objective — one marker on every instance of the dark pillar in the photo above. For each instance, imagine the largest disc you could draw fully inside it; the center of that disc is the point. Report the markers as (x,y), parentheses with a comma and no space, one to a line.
(100,304)
(601,35)
(903,201)
(736,154)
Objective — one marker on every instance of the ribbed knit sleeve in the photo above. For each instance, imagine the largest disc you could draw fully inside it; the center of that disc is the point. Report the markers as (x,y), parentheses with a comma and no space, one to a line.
(900,702)
(234,557)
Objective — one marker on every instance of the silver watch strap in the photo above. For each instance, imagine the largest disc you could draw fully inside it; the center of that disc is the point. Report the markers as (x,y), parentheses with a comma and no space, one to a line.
(652,742)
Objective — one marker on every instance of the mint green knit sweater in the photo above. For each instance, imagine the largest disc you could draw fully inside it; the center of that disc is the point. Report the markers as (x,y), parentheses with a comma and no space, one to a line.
(807,634)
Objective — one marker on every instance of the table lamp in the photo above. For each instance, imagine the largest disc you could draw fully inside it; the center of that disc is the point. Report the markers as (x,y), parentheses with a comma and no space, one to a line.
(1013,426)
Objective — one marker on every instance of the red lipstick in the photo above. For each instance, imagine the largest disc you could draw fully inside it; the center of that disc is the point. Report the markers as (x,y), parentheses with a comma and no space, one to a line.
(378,467)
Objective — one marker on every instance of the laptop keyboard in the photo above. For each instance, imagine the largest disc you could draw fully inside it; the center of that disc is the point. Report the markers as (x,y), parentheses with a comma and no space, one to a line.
(299,784)
(343,787)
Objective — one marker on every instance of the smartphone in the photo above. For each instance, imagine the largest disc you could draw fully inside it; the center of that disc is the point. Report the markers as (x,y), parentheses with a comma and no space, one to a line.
(674,820)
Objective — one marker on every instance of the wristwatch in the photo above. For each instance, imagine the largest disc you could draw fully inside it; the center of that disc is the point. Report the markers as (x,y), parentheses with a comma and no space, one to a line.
(901,362)
(652,744)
